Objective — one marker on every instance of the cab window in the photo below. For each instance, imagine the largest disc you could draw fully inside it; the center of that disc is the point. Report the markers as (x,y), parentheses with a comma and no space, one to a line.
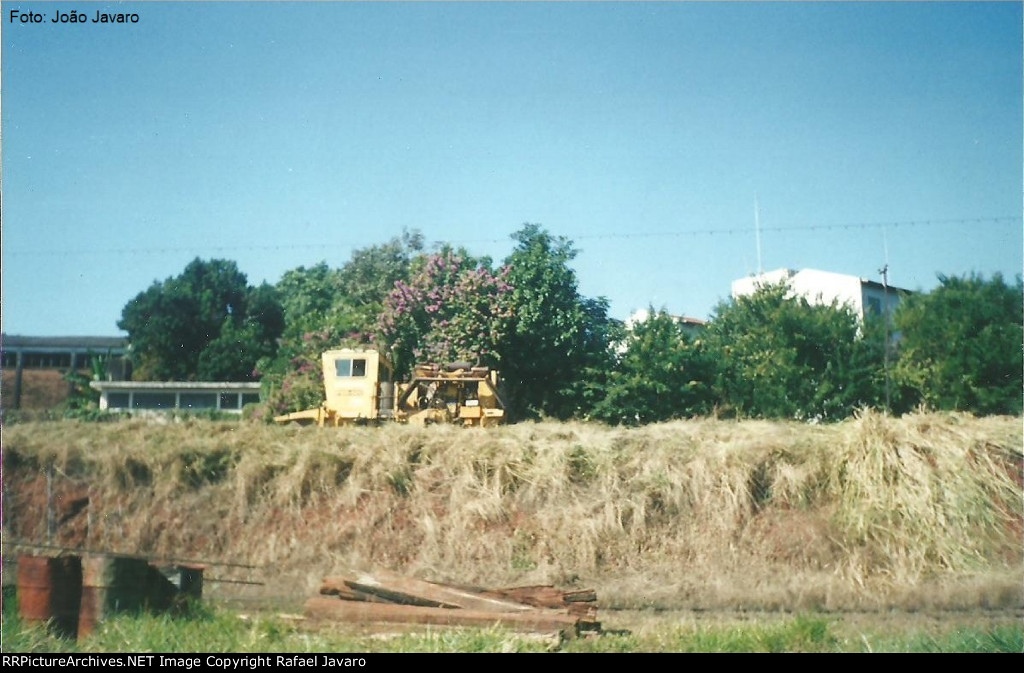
(345,367)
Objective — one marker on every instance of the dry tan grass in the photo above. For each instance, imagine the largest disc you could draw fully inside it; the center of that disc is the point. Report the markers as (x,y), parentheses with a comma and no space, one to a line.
(924,510)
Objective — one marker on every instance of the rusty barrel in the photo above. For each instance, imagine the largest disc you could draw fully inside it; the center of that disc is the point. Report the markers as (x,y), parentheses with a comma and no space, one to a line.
(110,584)
(49,589)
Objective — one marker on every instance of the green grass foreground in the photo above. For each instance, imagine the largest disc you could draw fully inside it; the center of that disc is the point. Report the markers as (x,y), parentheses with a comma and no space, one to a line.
(219,631)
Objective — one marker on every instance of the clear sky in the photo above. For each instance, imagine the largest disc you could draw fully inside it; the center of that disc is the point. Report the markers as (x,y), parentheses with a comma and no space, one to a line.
(283,134)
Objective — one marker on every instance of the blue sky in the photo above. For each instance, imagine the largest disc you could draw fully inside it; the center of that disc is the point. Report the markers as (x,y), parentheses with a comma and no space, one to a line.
(282,134)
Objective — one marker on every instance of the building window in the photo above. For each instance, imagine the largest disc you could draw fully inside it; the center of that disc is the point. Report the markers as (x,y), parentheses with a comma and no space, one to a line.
(198,401)
(250,398)
(47,360)
(117,400)
(874,306)
(153,401)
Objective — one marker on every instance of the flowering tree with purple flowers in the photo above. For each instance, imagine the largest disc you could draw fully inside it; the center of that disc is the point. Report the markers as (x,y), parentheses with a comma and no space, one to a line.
(454,309)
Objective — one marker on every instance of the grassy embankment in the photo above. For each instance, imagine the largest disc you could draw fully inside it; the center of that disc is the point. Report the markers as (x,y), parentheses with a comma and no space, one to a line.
(875,513)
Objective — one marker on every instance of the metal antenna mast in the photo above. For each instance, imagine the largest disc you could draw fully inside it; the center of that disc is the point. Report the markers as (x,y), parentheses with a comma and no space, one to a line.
(757,234)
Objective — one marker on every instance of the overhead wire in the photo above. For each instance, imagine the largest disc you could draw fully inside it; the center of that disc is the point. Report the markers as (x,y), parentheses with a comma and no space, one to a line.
(730,231)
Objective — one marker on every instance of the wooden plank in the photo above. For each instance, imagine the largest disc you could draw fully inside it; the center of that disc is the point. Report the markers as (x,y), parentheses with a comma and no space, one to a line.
(583,596)
(537,596)
(583,610)
(546,596)
(346,594)
(333,586)
(389,595)
(331,609)
(410,591)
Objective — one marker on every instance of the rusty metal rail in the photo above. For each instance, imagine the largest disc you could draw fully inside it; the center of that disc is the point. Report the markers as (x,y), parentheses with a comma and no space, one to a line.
(151,559)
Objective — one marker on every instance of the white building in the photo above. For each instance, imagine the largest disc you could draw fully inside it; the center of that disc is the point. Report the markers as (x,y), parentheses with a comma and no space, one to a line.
(183,395)
(691,326)
(861,295)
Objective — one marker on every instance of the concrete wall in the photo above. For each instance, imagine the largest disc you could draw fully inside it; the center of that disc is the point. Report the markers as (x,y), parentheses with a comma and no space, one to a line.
(40,389)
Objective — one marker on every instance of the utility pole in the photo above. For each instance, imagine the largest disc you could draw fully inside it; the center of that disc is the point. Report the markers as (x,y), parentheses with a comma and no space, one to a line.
(885,313)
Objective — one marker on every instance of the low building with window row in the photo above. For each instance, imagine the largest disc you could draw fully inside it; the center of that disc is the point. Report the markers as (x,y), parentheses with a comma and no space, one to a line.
(185,396)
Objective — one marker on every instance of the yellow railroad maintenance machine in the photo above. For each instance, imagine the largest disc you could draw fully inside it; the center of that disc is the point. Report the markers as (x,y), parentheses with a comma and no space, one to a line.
(360,388)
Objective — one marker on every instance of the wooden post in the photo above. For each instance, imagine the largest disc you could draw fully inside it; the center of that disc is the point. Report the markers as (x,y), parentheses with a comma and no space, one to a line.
(17,380)
(51,517)
(72,370)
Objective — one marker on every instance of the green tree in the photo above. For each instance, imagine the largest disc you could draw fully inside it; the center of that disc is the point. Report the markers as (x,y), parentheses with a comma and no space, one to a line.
(370,275)
(173,322)
(298,383)
(328,308)
(310,298)
(780,356)
(317,317)
(559,343)
(960,345)
(661,373)
(350,299)
(81,398)
(241,344)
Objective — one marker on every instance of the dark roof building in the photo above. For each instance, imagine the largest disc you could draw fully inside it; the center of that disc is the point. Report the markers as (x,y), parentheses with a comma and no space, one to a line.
(33,366)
